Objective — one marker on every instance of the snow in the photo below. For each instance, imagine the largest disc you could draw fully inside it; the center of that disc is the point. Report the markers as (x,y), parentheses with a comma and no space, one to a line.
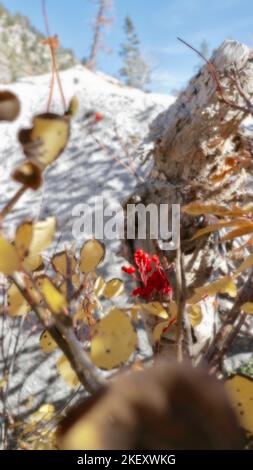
(84,171)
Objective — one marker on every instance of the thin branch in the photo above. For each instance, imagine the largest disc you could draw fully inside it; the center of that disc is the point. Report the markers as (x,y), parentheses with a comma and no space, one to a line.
(55,71)
(117,159)
(66,341)
(180,300)
(213,72)
(9,206)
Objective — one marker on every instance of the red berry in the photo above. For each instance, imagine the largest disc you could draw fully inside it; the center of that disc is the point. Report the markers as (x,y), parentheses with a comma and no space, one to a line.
(98,116)
(128,269)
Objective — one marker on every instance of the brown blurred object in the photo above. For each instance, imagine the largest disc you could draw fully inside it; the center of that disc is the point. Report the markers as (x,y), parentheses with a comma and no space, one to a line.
(9,106)
(29,174)
(168,406)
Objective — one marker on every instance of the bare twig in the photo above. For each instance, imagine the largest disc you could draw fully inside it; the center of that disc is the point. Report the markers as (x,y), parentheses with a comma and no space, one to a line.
(248,109)
(181,300)
(9,206)
(67,342)
(125,148)
(115,158)
(100,22)
(55,72)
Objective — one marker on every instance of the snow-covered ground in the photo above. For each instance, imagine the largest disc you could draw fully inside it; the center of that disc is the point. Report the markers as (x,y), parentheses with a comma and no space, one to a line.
(86,170)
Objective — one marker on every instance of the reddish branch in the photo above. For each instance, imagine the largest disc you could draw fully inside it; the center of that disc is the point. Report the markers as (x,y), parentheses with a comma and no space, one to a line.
(248,108)
(100,22)
(53,43)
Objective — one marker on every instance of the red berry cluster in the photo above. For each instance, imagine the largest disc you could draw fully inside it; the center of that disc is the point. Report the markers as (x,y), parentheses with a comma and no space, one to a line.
(151,276)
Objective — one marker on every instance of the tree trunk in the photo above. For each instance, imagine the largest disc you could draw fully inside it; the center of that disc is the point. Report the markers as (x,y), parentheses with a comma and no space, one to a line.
(191,143)
(194,137)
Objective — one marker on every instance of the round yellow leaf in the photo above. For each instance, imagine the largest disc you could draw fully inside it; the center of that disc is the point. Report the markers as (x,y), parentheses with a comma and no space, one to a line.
(67,373)
(9,260)
(59,262)
(47,139)
(47,343)
(43,234)
(92,254)
(240,392)
(114,340)
(17,305)
(113,288)
(23,239)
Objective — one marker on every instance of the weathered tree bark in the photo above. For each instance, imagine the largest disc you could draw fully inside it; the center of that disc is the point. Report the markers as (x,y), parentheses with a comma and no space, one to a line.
(194,133)
(192,139)
(191,143)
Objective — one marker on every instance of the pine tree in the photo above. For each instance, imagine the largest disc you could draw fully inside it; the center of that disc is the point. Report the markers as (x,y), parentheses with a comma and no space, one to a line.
(135,70)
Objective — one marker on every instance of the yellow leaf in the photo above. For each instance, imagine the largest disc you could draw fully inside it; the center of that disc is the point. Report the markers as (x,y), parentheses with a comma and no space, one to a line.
(67,373)
(17,305)
(54,298)
(113,288)
(44,413)
(47,343)
(225,285)
(195,315)
(9,106)
(247,263)
(9,260)
(198,208)
(59,262)
(158,331)
(43,234)
(23,239)
(99,286)
(114,340)
(240,392)
(155,308)
(92,254)
(247,308)
(47,139)
(238,232)
(220,225)
(73,106)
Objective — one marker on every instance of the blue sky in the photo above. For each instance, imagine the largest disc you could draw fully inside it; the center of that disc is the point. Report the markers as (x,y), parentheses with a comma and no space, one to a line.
(158,23)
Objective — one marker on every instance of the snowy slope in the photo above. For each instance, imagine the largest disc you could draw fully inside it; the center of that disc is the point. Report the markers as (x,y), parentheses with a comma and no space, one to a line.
(84,171)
